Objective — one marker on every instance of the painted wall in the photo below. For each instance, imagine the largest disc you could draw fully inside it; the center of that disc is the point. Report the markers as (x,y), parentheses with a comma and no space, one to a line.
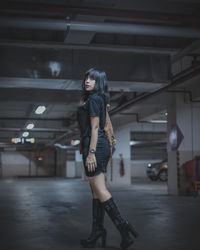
(23,163)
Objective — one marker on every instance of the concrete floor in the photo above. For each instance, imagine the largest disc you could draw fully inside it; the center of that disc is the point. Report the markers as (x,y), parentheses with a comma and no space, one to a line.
(54,213)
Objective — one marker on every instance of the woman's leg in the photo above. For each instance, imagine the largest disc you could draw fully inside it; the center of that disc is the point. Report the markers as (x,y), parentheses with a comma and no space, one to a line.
(98,229)
(124,227)
(98,186)
(94,195)
(98,211)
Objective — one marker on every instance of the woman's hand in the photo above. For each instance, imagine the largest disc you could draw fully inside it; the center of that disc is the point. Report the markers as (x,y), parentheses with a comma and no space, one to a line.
(91,162)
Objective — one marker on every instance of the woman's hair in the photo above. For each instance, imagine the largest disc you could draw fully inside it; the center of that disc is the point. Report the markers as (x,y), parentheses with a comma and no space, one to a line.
(101,87)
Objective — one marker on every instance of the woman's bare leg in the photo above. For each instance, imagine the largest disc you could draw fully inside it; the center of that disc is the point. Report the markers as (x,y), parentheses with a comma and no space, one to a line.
(124,227)
(98,185)
(93,193)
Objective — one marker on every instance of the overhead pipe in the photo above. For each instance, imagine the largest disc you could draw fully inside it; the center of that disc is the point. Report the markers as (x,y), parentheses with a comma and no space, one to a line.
(34,130)
(96,47)
(63,25)
(137,117)
(33,119)
(185,92)
(64,10)
(177,79)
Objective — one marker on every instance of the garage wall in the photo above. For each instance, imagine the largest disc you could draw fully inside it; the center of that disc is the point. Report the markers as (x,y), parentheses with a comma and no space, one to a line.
(24,163)
(188,120)
(15,164)
(138,167)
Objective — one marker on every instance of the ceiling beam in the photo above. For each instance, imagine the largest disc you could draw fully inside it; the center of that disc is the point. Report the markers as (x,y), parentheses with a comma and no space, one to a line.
(178,79)
(64,10)
(68,87)
(33,119)
(190,50)
(116,28)
(96,47)
(50,96)
(35,130)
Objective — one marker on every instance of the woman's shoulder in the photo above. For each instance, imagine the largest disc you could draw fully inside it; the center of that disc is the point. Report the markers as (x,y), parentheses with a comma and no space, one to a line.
(97,97)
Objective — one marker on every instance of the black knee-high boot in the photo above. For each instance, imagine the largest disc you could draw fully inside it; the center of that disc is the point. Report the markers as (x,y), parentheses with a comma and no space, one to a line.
(124,227)
(98,230)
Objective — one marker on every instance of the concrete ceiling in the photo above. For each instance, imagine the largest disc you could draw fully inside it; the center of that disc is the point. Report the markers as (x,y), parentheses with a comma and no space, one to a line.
(46,46)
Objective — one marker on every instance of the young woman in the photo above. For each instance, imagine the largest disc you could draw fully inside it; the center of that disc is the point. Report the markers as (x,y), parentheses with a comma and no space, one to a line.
(91,116)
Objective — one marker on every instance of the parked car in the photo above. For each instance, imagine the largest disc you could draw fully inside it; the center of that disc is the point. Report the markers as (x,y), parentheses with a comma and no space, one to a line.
(158,171)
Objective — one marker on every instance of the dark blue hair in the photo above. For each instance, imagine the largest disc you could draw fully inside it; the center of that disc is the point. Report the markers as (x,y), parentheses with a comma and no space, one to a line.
(101,87)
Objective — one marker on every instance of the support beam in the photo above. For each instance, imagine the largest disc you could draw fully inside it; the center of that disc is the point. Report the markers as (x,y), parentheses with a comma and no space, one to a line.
(128,11)
(178,79)
(116,28)
(95,47)
(190,49)
(36,130)
(64,86)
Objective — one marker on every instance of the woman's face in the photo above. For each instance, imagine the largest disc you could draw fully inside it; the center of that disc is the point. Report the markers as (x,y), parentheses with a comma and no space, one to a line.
(89,83)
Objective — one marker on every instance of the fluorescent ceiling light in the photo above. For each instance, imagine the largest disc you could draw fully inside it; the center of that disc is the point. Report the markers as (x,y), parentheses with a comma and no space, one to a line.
(40,110)
(31,140)
(158,121)
(30,126)
(16,140)
(75,142)
(134,143)
(55,68)
(25,134)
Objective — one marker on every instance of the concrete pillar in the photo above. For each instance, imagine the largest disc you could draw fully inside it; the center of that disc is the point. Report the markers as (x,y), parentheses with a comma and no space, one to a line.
(79,165)
(187,116)
(122,147)
(70,169)
(172,161)
(61,157)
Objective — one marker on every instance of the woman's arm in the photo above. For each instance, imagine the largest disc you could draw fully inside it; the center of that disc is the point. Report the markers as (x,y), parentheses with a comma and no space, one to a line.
(94,120)
(91,159)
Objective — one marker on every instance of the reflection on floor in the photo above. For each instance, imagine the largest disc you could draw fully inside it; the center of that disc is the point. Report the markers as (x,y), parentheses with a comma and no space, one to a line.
(54,213)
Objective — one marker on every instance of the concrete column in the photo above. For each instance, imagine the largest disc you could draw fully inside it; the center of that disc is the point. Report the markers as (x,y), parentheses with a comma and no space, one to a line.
(172,161)
(187,116)
(122,147)
(61,157)
(79,165)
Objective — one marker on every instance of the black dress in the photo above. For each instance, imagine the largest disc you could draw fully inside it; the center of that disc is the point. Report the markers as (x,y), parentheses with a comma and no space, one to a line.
(94,106)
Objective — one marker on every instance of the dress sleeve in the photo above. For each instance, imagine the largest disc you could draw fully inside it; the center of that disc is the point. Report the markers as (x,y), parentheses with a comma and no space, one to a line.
(94,106)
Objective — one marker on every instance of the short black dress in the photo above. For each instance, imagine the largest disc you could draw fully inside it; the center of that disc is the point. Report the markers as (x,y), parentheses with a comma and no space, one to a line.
(94,106)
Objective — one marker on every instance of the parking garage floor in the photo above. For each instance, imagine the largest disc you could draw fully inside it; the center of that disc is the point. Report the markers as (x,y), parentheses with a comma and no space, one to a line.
(54,213)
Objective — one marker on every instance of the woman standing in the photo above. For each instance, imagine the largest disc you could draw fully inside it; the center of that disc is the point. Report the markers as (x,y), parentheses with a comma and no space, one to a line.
(91,116)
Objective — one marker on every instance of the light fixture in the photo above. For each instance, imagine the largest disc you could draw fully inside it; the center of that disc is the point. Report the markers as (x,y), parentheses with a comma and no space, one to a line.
(40,158)
(40,110)
(16,140)
(31,140)
(158,121)
(55,68)
(25,134)
(30,126)
(134,143)
(75,142)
